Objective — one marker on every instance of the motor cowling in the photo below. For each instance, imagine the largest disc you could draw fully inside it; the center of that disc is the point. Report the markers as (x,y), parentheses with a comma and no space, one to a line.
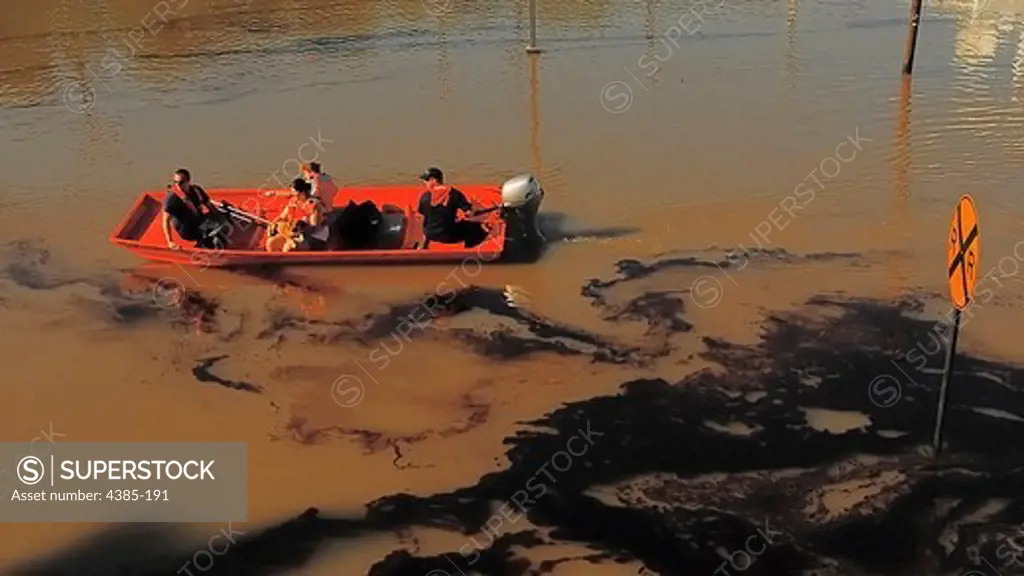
(519,191)
(521,197)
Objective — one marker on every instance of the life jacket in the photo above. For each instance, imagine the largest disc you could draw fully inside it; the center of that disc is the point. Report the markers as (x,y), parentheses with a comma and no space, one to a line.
(439,195)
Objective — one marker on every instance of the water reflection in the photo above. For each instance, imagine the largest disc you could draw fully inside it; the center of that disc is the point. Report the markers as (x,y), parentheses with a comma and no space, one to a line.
(980,27)
(977,39)
(791,65)
(39,39)
(158,47)
(653,35)
(982,35)
(901,144)
(444,64)
(901,164)
(1018,64)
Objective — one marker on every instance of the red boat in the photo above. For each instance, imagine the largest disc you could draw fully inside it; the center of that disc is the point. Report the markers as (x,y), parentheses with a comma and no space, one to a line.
(511,217)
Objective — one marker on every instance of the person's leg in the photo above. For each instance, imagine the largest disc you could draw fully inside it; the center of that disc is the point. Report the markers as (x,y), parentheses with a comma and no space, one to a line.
(315,244)
(187,231)
(472,233)
(276,243)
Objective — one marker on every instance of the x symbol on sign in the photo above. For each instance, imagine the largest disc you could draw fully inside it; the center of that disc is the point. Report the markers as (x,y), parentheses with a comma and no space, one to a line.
(963,259)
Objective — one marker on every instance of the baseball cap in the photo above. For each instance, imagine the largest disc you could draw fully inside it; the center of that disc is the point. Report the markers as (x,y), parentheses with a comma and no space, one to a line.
(432,172)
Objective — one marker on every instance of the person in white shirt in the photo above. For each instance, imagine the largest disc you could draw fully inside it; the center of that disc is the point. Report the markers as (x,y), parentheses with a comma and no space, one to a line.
(323,185)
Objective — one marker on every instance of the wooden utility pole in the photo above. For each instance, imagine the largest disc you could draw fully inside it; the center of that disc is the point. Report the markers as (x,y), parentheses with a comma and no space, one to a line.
(911,46)
(532,48)
(538,167)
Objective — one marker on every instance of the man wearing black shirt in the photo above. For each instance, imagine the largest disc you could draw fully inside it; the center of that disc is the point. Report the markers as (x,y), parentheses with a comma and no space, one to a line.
(444,211)
(184,206)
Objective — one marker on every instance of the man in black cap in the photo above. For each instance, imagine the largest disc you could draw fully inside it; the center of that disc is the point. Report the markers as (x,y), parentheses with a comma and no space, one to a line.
(445,211)
(195,218)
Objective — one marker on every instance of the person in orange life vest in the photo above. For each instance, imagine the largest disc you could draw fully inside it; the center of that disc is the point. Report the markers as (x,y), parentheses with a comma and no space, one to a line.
(303,205)
(445,212)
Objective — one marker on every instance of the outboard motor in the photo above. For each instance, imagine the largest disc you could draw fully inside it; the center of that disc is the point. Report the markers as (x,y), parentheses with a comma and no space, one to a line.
(520,201)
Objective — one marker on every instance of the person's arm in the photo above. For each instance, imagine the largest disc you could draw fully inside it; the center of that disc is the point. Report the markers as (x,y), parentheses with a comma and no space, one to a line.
(204,198)
(460,202)
(317,217)
(278,193)
(422,211)
(167,231)
(421,208)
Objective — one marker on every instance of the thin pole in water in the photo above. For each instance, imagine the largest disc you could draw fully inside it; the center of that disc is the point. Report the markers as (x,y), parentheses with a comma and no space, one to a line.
(532,47)
(947,373)
(911,46)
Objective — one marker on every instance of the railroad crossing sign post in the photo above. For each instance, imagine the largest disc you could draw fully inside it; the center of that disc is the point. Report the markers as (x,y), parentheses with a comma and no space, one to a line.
(964,253)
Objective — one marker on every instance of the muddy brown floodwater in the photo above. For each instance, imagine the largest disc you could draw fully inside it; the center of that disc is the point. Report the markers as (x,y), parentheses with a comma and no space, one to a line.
(726,361)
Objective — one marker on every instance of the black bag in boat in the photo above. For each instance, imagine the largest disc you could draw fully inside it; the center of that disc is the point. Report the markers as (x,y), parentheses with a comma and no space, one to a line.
(356,225)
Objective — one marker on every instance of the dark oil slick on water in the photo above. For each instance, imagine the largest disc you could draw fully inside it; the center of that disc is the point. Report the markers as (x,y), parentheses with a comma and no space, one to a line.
(202,373)
(688,492)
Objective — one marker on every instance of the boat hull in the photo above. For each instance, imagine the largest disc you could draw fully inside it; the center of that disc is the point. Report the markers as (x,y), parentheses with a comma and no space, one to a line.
(513,236)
